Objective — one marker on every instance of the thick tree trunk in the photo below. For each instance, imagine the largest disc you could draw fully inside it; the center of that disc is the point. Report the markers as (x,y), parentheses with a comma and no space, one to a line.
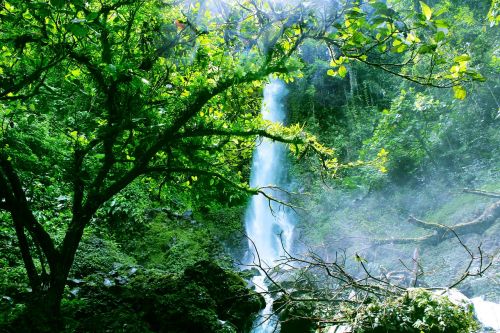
(50,306)
(44,310)
(43,313)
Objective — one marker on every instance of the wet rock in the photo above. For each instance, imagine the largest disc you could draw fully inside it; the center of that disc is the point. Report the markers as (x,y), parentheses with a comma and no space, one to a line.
(188,215)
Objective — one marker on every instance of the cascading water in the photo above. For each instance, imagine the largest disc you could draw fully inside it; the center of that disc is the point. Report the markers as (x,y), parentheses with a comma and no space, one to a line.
(268,226)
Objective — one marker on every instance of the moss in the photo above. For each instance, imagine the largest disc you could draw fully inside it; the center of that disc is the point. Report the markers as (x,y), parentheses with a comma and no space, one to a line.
(417,310)
(233,300)
(173,244)
(205,298)
(459,209)
(295,317)
(97,254)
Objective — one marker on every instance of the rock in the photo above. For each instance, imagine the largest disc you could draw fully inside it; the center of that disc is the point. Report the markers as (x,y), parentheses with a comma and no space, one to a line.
(339,329)
(295,317)
(205,298)
(235,303)
(488,313)
(248,274)
(188,215)
(108,283)
(454,295)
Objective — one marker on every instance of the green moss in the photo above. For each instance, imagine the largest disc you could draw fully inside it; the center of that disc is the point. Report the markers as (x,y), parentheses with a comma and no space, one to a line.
(98,254)
(205,298)
(459,209)
(415,311)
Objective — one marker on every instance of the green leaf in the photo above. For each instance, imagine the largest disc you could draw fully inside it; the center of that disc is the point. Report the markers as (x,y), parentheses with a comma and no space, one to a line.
(475,75)
(77,29)
(441,24)
(441,12)
(426,10)
(76,72)
(426,49)
(462,58)
(57,3)
(330,72)
(460,92)
(399,49)
(342,71)
(439,36)
(92,16)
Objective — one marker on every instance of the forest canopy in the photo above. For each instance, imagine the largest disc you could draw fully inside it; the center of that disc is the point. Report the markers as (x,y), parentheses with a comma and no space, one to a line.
(98,97)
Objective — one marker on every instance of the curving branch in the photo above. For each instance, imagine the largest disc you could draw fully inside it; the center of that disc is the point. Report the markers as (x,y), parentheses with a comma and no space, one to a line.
(481,261)
(481,192)
(442,232)
(15,199)
(203,132)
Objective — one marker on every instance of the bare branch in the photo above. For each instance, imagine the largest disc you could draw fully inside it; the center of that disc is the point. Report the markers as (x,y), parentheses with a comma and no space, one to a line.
(481,192)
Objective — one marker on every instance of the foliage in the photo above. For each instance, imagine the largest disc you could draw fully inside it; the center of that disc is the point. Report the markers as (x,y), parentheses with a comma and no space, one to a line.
(102,99)
(172,244)
(416,311)
(97,254)
(407,130)
(494,13)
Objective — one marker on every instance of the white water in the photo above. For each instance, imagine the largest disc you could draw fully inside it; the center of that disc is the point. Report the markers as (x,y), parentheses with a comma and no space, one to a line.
(488,313)
(268,225)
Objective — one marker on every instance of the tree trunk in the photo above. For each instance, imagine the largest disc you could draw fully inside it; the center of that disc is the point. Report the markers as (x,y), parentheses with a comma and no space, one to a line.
(44,312)
(44,309)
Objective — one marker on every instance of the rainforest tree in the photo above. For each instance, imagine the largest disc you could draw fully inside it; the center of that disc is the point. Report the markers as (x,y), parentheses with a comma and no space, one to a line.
(95,95)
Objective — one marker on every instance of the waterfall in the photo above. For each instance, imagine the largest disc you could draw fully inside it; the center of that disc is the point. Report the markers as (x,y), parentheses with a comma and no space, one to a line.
(268,225)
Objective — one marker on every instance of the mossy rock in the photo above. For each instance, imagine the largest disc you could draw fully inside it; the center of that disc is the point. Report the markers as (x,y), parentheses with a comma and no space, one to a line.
(205,298)
(295,317)
(415,311)
(234,301)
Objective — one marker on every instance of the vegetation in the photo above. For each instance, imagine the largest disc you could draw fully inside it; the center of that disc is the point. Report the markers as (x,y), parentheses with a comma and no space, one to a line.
(416,311)
(127,127)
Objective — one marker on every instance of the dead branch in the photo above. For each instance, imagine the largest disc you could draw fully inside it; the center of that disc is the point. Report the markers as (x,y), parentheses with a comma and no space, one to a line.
(481,262)
(329,285)
(481,192)
(442,232)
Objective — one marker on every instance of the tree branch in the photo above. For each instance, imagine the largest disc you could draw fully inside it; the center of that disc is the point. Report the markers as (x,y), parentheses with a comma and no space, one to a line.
(481,192)
(442,232)
(200,132)
(28,79)
(21,212)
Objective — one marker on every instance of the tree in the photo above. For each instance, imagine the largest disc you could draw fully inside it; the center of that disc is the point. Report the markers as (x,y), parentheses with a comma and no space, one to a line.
(96,95)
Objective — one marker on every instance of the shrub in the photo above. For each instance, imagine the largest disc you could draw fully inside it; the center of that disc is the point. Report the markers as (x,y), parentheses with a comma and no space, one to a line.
(416,311)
